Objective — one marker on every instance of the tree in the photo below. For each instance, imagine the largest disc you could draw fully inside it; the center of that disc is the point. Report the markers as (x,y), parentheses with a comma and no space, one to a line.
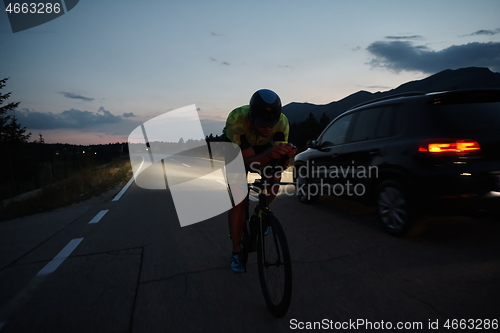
(12,137)
(324,121)
(42,140)
(10,129)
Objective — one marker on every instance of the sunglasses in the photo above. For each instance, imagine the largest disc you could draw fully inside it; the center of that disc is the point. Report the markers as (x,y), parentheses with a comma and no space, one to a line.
(263,123)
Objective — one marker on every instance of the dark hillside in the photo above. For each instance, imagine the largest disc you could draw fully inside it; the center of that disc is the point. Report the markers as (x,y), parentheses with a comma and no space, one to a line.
(464,78)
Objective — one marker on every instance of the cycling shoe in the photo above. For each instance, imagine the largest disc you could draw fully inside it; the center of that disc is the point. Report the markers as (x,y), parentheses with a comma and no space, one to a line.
(237,264)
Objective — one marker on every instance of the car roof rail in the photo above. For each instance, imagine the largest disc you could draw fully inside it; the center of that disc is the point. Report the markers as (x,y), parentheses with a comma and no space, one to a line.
(406,94)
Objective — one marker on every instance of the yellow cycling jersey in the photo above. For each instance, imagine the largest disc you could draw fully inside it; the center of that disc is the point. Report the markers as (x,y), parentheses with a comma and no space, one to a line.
(240,130)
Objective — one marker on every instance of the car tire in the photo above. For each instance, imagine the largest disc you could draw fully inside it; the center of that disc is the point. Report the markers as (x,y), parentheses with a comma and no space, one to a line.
(393,207)
(303,192)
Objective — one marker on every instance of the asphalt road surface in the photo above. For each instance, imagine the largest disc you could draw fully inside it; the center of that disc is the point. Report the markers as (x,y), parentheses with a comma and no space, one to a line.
(128,266)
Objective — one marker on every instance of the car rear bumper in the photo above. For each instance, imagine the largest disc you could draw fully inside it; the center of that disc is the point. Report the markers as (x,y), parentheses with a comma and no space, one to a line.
(465,190)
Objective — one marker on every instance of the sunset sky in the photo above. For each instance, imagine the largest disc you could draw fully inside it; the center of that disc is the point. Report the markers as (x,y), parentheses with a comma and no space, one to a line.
(97,72)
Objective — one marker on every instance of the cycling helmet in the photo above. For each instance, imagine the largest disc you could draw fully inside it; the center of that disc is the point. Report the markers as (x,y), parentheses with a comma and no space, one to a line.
(265,108)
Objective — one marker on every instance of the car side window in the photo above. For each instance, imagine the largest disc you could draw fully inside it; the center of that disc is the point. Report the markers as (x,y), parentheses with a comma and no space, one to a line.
(366,124)
(400,120)
(336,133)
(385,123)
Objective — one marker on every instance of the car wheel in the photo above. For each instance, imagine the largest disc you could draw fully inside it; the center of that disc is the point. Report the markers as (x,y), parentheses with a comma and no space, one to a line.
(393,207)
(303,190)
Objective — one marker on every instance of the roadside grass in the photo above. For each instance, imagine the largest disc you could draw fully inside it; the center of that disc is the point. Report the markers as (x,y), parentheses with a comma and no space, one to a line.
(81,185)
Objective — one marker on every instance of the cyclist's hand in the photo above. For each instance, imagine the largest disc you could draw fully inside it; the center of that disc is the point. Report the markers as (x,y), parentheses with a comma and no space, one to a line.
(292,151)
(282,149)
(278,150)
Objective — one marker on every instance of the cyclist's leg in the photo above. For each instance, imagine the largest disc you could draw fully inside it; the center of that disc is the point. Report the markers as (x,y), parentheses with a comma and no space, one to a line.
(236,217)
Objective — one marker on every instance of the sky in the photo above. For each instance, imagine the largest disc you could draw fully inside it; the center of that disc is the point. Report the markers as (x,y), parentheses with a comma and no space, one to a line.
(97,72)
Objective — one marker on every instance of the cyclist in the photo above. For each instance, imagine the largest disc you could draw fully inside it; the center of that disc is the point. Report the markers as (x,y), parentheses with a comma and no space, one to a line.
(261,131)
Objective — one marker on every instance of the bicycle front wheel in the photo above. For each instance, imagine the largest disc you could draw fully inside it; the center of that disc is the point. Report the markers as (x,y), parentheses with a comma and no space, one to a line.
(275,268)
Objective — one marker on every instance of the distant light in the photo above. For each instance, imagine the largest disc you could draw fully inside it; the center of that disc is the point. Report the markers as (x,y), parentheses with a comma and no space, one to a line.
(466,174)
(84,151)
(95,153)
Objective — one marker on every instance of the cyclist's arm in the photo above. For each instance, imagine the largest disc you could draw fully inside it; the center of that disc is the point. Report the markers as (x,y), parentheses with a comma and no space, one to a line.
(256,161)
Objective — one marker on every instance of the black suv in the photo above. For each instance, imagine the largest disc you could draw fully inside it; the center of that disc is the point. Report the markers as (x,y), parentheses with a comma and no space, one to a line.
(408,152)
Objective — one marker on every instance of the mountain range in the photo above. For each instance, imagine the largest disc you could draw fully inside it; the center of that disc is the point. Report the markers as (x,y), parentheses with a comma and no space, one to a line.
(463,78)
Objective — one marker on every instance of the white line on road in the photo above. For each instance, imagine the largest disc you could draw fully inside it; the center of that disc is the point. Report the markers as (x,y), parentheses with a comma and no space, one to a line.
(99,216)
(125,188)
(15,304)
(60,257)
(186,165)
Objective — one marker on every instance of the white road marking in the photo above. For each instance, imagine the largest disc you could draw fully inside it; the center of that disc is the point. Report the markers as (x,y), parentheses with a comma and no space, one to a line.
(60,257)
(99,216)
(16,303)
(186,165)
(125,188)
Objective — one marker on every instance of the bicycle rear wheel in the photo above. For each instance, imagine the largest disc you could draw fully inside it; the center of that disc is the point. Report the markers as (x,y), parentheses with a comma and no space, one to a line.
(275,268)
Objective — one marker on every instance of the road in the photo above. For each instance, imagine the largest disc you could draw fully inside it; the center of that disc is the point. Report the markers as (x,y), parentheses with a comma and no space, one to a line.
(134,269)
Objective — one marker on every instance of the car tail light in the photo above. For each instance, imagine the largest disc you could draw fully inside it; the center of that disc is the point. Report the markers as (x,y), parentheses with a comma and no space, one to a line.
(450,147)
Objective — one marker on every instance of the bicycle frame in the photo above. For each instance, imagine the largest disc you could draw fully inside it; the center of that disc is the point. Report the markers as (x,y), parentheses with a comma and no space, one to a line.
(273,255)
(261,187)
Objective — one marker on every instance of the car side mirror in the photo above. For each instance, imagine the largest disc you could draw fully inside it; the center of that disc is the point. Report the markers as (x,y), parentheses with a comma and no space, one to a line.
(312,144)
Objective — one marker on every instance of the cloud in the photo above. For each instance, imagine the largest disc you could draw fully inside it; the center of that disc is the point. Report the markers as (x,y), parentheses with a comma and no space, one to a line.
(404,37)
(404,55)
(75,96)
(225,63)
(73,119)
(128,115)
(484,32)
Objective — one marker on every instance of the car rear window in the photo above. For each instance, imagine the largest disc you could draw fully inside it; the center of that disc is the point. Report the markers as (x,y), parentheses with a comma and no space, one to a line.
(473,119)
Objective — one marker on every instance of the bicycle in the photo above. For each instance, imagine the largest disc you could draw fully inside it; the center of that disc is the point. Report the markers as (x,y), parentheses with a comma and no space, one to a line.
(264,234)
